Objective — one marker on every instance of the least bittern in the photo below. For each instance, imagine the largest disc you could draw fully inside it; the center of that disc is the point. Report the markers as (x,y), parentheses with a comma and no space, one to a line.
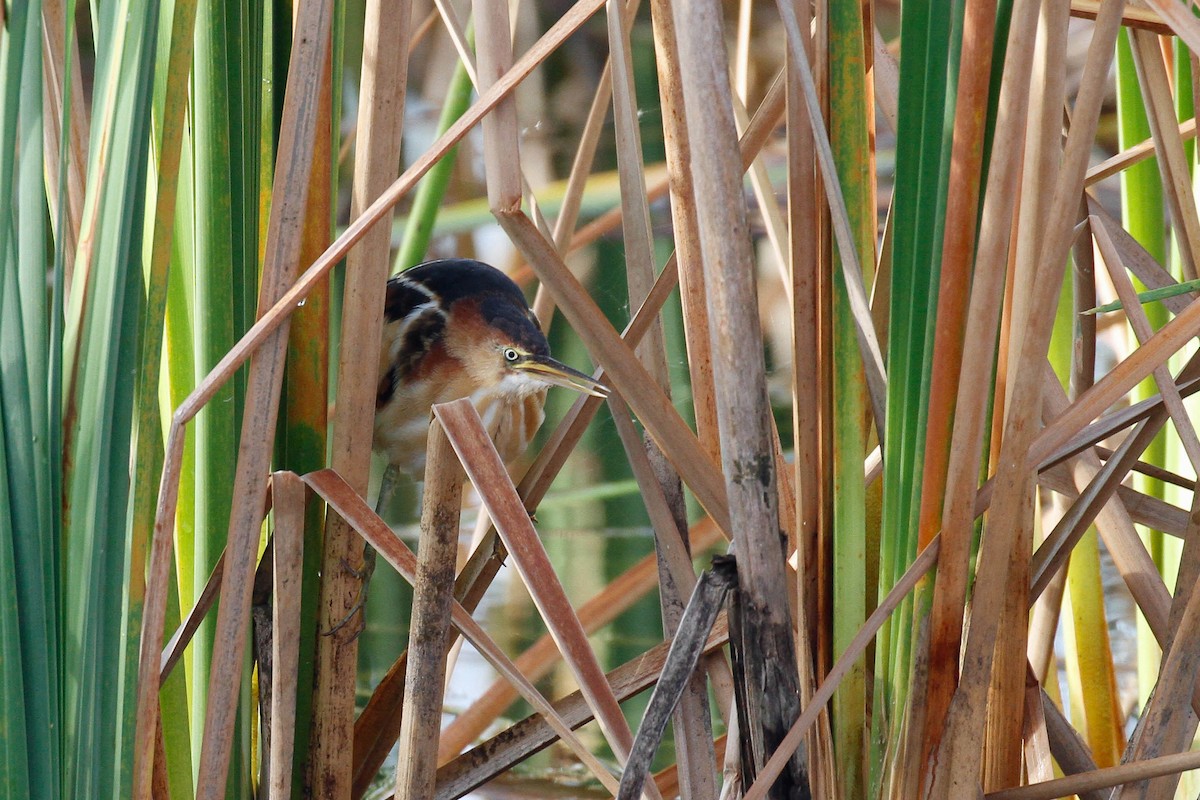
(458,328)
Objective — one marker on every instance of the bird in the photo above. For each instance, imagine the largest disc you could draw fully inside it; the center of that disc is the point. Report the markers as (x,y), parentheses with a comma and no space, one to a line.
(455,328)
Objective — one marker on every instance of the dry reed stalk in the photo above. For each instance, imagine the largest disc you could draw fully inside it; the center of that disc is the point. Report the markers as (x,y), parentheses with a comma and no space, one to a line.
(458,38)
(809,394)
(1051,556)
(740,384)
(1138,16)
(160,783)
(1083,262)
(959,768)
(687,237)
(661,490)
(420,31)
(262,653)
(1117,531)
(635,208)
(667,778)
(1042,167)
(1039,763)
(1172,160)
(383,78)
(1067,745)
(677,678)
(762,125)
(287,561)
(191,623)
(1135,258)
(770,212)
(1189,570)
(966,447)
(804,219)
(338,494)
(872,356)
(1149,470)
(1115,384)
(659,480)
(292,175)
(524,738)
(740,66)
(1106,426)
(581,167)
(429,631)
(1139,152)
(1182,24)
(1142,509)
(672,547)
(1136,316)
(378,726)
(1047,605)
(823,243)
(486,471)
(566,436)
(501,150)
(1104,778)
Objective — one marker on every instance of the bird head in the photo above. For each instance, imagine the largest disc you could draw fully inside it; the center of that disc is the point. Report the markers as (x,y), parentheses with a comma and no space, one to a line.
(483,321)
(502,345)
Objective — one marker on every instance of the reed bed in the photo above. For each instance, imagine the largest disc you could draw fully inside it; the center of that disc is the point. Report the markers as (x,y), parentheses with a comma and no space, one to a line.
(938,370)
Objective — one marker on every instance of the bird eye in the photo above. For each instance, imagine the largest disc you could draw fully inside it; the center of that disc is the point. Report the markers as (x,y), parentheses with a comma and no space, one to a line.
(511,355)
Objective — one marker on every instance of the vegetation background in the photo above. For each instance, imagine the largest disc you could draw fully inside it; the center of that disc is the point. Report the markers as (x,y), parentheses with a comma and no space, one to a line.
(890,316)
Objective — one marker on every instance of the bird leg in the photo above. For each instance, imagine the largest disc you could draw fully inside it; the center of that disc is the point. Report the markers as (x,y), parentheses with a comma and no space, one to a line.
(387,488)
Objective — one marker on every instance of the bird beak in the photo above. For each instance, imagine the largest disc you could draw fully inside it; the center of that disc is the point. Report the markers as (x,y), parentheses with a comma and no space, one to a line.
(560,374)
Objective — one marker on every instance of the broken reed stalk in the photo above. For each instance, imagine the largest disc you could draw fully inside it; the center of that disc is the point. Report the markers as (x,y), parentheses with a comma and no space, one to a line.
(677,673)
(663,493)
(739,373)
(429,631)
